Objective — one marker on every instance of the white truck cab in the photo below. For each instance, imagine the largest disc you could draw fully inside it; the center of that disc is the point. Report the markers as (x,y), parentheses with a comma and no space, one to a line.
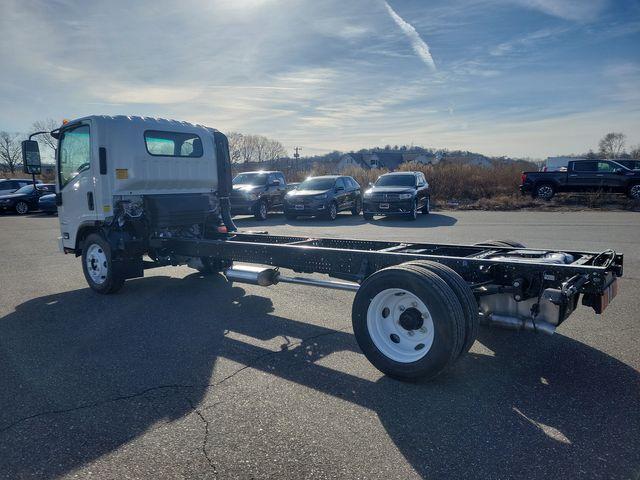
(124,179)
(102,160)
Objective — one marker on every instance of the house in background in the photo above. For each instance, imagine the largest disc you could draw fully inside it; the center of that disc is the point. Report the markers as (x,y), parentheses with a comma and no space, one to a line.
(386,159)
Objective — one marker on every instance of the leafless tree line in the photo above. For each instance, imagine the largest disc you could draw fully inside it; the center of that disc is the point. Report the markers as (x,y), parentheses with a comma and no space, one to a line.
(254,148)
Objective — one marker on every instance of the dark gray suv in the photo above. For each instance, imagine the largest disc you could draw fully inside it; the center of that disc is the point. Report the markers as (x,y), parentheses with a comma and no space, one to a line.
(324,197)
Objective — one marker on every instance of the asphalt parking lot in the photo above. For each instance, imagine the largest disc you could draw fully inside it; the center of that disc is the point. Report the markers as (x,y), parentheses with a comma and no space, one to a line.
(180,375)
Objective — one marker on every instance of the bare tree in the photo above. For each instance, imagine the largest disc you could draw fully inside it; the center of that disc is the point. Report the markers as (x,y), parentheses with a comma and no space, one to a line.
(248,148)
(10,151)
(635,152)
(612,144)
(235,143)
(260,147)
(48,144)
(253,148)
(274,150)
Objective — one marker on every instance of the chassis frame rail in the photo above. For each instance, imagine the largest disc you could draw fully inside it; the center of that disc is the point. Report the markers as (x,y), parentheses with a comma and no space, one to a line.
(354,260)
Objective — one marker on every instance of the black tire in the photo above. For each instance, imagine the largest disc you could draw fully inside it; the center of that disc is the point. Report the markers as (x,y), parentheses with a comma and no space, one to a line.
(544,191)
(465,297)
(367,216)
(444,307)
(261,210)
(212,265)
(355,211)
(113,280)
(22,208)
(634,191)
(427,207)
(501,243)
(332,211)
(413,214)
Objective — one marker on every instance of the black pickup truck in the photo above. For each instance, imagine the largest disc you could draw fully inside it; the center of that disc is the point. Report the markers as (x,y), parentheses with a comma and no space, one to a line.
(583,176)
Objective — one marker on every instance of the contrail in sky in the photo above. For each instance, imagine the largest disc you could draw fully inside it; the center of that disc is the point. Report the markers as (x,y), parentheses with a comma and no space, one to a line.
(419,45)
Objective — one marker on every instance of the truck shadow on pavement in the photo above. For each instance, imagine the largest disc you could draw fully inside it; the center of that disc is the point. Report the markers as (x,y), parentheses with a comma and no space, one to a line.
(83,375)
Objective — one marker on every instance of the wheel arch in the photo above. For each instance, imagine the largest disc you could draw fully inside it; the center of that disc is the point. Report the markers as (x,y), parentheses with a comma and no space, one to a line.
(84,230)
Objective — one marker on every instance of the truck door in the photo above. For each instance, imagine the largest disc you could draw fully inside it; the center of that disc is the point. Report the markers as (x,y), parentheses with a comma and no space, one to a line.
(76,194)
(583,176)
(612,175)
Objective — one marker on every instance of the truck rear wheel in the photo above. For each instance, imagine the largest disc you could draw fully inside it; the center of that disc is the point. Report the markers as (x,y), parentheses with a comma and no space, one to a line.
(465,296)
(98,267)
(634,192)
(408,322)
(544,191)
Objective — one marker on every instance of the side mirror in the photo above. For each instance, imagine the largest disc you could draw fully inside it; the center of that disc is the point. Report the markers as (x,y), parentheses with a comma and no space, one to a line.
(339,189)
(275,183)
(31,157)
(619,171)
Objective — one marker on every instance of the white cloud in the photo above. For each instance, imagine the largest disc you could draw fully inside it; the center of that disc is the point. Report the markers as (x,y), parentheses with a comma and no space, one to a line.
(419,45)
(575,10)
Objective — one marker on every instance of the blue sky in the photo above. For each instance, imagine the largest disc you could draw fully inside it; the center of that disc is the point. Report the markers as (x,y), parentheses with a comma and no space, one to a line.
(514,77)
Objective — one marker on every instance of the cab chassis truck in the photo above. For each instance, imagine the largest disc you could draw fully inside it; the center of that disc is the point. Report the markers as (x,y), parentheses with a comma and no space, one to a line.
(135,193)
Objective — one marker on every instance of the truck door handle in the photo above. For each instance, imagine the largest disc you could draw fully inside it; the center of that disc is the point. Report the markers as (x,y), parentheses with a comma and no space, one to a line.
(599,175)
(573,175)
(90,200)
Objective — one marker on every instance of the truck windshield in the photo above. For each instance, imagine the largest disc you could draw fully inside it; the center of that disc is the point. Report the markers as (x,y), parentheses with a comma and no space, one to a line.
(74,155)
(396,181)
(317,184)
(250,179)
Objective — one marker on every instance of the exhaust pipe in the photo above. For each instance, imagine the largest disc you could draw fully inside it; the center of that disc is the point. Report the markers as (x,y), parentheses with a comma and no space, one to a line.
(516,323)
(265,276)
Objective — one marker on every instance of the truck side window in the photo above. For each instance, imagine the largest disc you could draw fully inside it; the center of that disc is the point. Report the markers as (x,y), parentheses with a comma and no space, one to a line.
(605,167)
(585,167)
(74,155)
(173,144)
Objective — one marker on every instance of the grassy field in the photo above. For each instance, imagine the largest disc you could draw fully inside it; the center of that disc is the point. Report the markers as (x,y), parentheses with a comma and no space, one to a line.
(471,187)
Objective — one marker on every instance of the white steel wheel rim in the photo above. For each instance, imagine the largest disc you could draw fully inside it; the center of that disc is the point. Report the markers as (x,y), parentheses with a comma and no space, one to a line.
(97,265)
(333,211)
(263,209)
(635,191)
(386,331)
(21,207)
(545,192)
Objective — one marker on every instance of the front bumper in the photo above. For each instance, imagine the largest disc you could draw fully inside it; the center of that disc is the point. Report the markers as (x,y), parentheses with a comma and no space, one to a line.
(242,206)
(305,207)
(5,207)
(48,207)
(400,207)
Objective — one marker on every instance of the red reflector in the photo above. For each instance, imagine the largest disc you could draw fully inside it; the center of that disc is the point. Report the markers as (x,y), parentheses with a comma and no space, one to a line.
(523,178)
(222,229)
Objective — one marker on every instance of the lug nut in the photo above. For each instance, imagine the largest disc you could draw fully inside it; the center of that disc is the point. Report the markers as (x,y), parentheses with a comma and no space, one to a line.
(401,307)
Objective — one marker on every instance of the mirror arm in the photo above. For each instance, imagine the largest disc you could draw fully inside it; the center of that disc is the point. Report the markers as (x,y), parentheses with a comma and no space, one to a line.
(39,133)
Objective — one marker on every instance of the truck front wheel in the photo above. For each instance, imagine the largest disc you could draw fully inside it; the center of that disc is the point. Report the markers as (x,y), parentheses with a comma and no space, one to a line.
(634,191)
(261,210)
(409,322)
(98,267)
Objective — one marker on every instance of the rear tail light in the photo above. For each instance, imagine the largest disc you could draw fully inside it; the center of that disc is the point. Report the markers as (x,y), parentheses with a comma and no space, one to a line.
(523,178)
